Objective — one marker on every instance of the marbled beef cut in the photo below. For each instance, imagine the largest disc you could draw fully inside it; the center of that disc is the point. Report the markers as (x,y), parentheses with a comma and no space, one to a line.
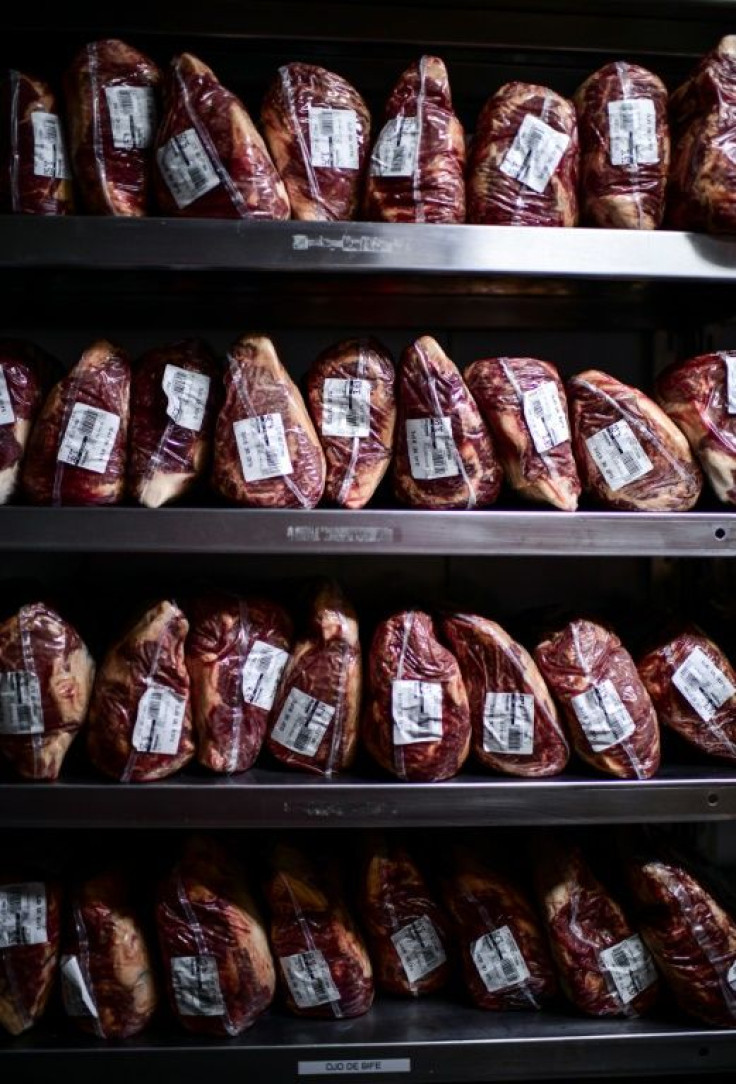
(26,375)
(35,176)
(29,948)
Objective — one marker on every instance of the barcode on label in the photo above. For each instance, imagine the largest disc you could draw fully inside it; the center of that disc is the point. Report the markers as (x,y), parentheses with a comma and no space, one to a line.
(346,408)
(545,416)
(395,152)
(704,686)
(419,948)
(186,394)
(21,710)
(49,150)
(302,723)
(535,153)
(431,448)
(22,914)
(309,979)
(7,414)
(498,960)
(262,447)
(78,1000)
(603,716)
(196,984)
(508,723)
(262,673)
(159,721)
(618,455)
(89,438)
(630,966)
(186,168)
(333,138)
(632,130)
(416,707)
(729,360)
(132,112)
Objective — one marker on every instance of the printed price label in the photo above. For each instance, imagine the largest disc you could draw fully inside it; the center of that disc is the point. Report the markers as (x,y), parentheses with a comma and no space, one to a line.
(262,673)
(196,985)
(303,723)
(545,416)
(7,414)
(76,996)
(498,960)
(704,686)
(419,948)
(309,979)
(333,138)
(186,394)
(535,153)
(508,723)
(632,132)
(89,438)
(618,455)
(416,707)
(132,116)
(49,150)
(262,447)
(630,967)
(21,711)
(340,1067)
(431,448)
(729,360)
(603,716)
(159,721)
(23,915)
(186,168)
(395,152)
(346,408)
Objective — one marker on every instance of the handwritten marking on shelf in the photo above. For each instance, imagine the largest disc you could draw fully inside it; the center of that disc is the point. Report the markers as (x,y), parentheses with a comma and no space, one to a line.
(348,242)
(348,535)
(381,1065)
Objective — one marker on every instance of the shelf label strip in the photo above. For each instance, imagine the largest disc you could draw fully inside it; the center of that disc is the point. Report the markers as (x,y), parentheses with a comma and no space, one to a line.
(341,1067)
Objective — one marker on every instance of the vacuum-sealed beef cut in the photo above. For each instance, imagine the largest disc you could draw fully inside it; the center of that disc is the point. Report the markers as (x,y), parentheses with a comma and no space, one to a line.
(624,147)
(406,930)
(693,688)
(324,967)
(140,718)
(608,710)
(112,104)
(77,450)
(219,971)
(236,653)
(524,159)
(630,455)
(352,400)
(515,726)
(26,374)
(523,401)
(444,454)
(267,454)
(29,949)
(107,980)
(505,961)
(35,177)
(318,130)
(46,676)
(699,395)
(605,968)
(314,723)
(173,401)
(416,722)
(417,167)
(211,161)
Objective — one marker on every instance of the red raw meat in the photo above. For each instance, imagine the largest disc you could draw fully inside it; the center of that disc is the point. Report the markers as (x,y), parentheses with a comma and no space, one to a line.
(26,375)
(29,949)
(35,177)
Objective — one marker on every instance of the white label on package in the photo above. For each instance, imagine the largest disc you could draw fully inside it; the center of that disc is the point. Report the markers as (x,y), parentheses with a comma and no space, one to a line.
(618,455)
(89,438)
(545,416)
(77,999)
(603,716)
(419,948)
(731,976)
(508,723)
(729,359)
(346,408)
(159,721)
(498,959)
(395,153)
(49,151)
(22,915)
(309,979)
(333,138)
(704,686)
(416,707)
(262,447)
(186,394)
(7,414)
(20,703)
(186,168)
(302,724)
(431,448)
(632,131)
(132,116)
(630,966)
(535,153)
(261,674)
(196,985)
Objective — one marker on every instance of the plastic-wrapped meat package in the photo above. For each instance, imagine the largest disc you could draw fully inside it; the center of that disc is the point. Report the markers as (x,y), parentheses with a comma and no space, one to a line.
(416,721)
(699,396)
(406,929)
(515,726)
(323,964)
(107,980)
(29,949)
(624,147)
(46,676)
(174,398)
(318,129)
(211,161)
(352,400)
(77,450)
(140,718)
(630,455)
(693,688)
(267,453)
(111,95)
(444,455)
(314,722)
(505,960)
(236,652)
(524,159)
(604,967)
(35,177)
(219,971)
(524,403)
(26,374)
(609,713)
(417,166)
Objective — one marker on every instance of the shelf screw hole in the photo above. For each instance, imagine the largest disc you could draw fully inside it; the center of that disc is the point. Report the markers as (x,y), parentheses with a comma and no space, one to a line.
(720,533)
(703,1052)
(713,800)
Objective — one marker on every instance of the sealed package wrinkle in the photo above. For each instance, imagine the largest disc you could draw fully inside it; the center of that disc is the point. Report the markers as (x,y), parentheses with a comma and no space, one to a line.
(211,161)
(417,166)
(29,949)
(318,130)
(111,93)
(26,375)
(35,177)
